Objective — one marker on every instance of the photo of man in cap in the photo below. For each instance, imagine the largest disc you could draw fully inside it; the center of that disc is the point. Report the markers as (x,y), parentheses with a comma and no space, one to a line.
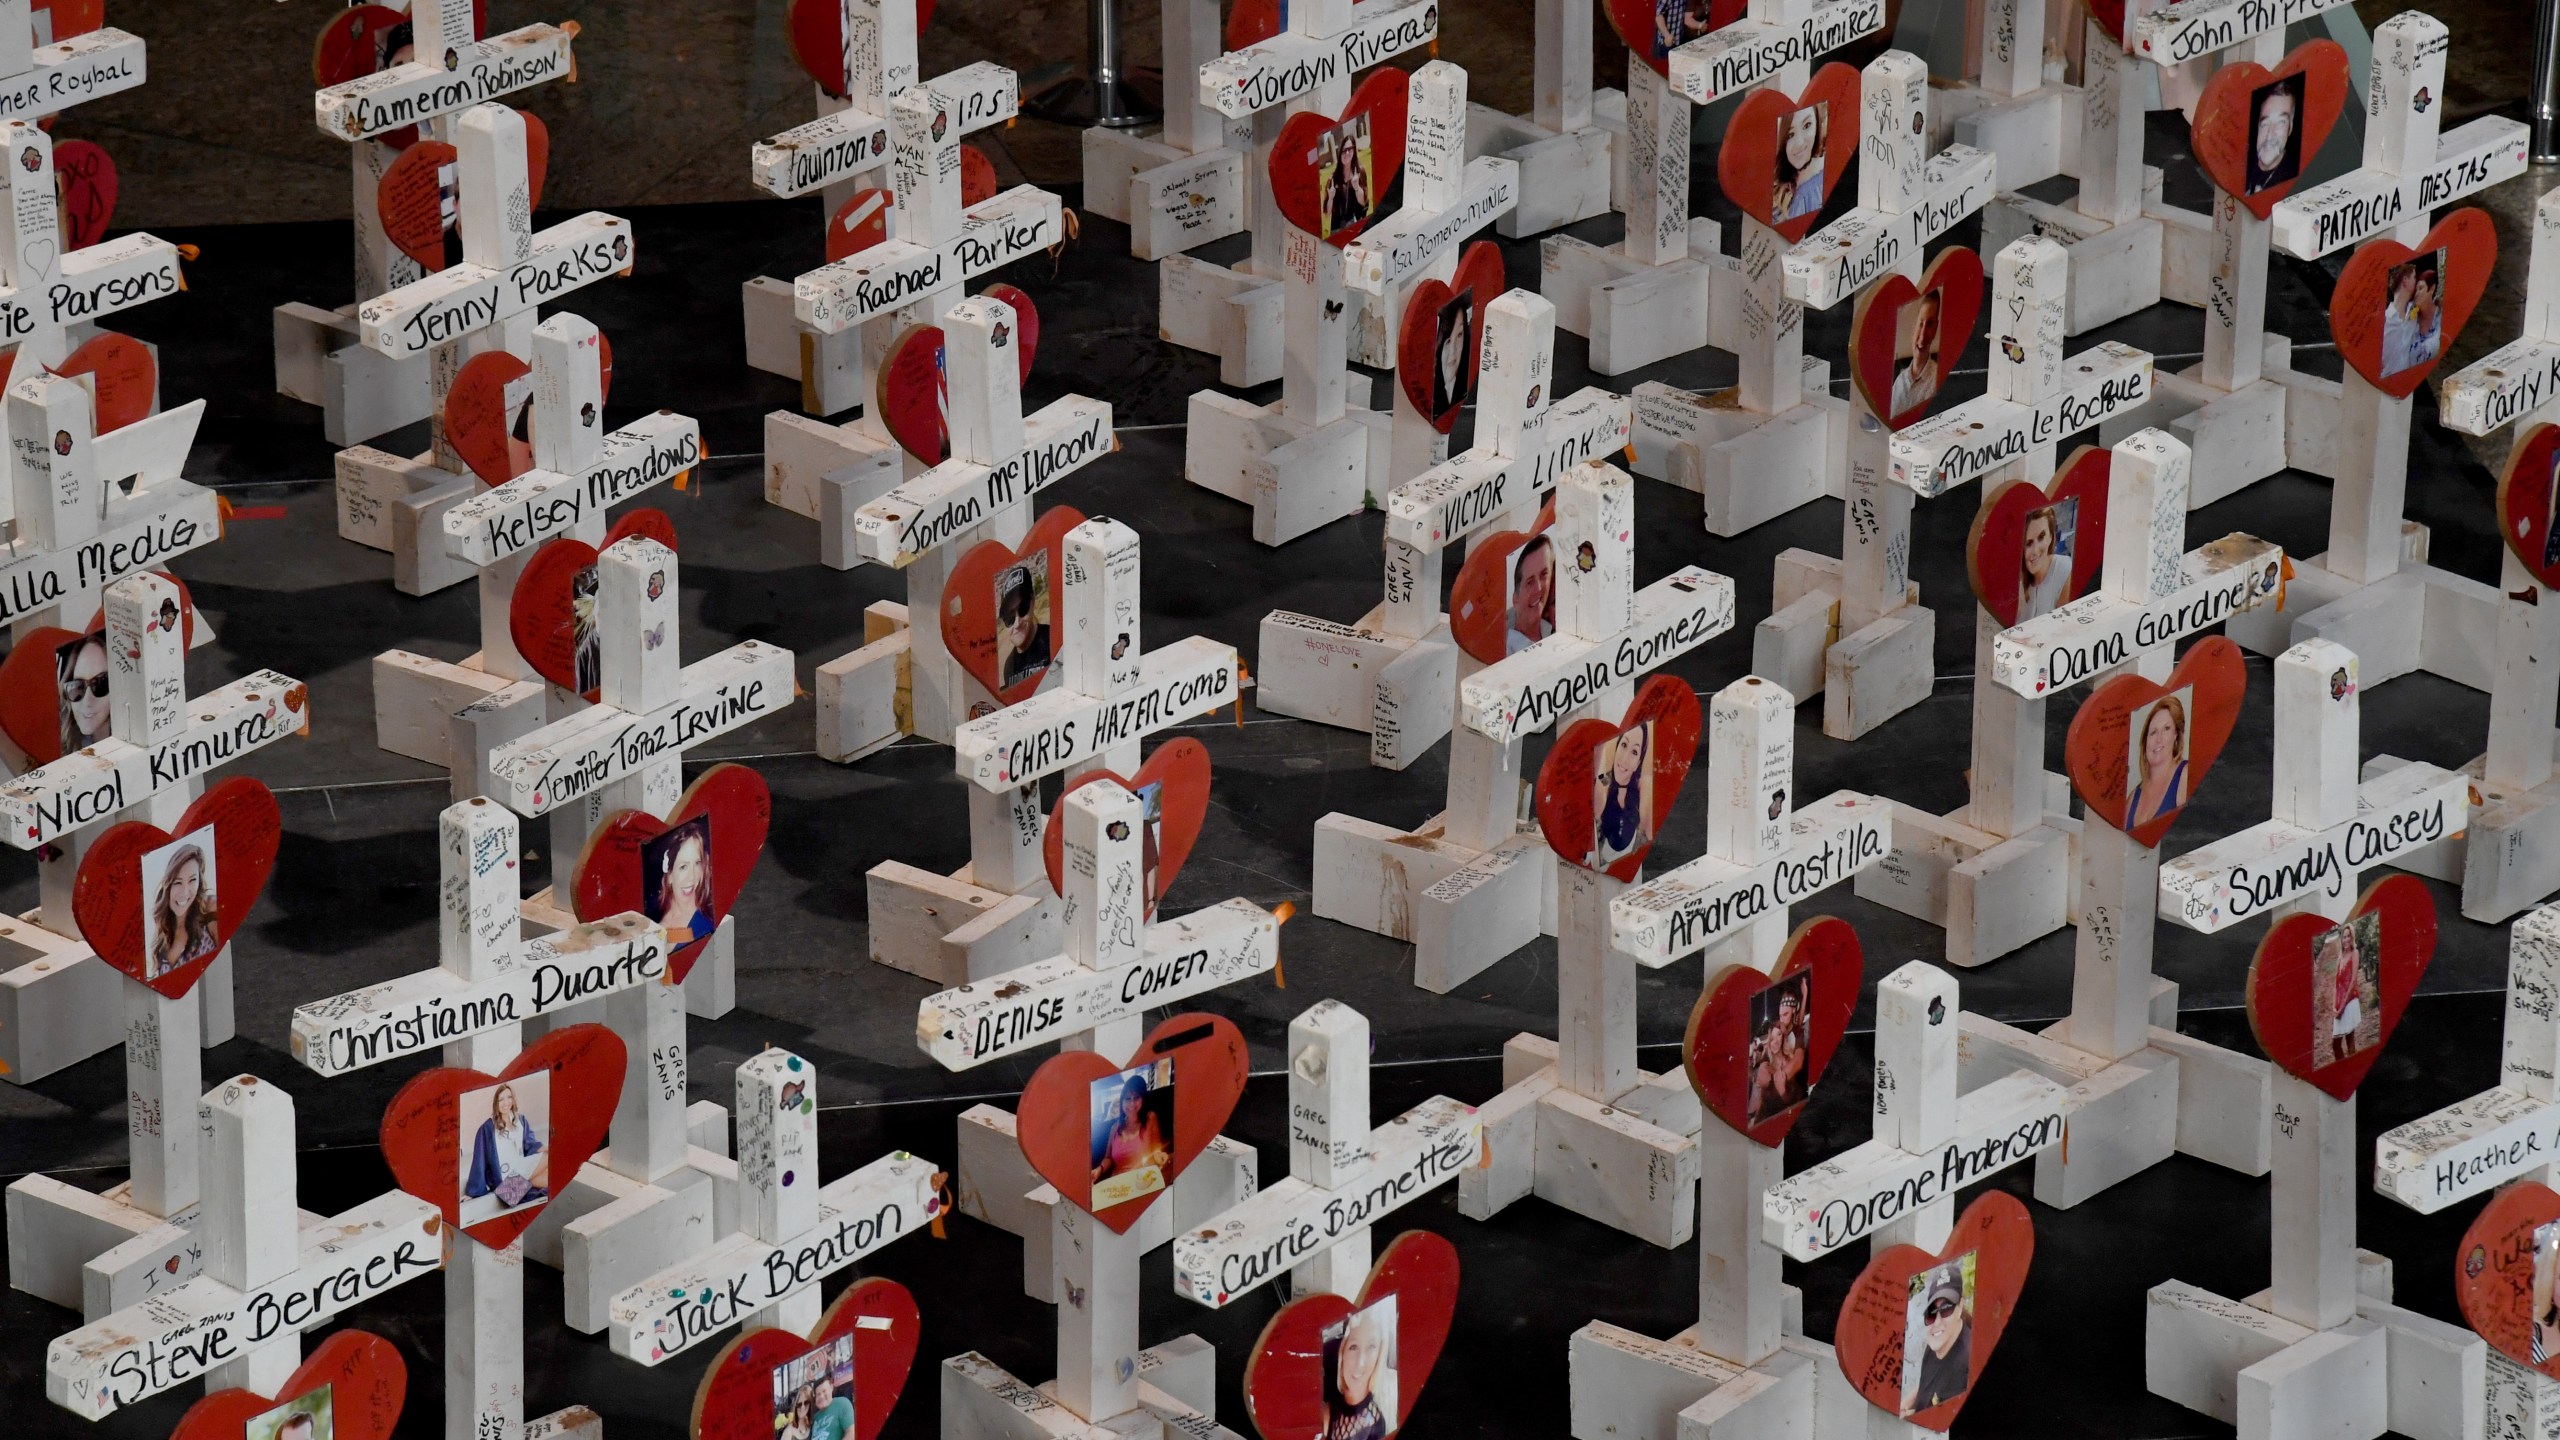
(1937,1344)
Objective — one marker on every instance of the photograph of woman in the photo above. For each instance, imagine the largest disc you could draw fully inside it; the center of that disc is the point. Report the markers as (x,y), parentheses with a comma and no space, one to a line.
(813,1393)
(2158,773)
(587,654)
(1132,1133)
(1344,178)
(2044,558)
(1449,354)
(185,919)
(1781,1040)
(80,673)
(508,1161)
(2346,1001)
(675,870)
(2545,1327)
(2275,133)
(1531,615)
(2412,327)
(1798,191)
(1937,1336)
(1360,1374)
(1022,620)
(1622,796)
(304,1417)
(1916,373)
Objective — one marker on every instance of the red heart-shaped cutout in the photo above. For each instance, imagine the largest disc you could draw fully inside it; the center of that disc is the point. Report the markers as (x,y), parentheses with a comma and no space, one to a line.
(861,222)
(2192,714)
(995,580)
(84,182)
(350,45)
(1652,29)
(1329,176)
(2069,528)
(41,665)
(1782,158)
(2325,995)
(445,1142)
(2512,1238)
(2292,107)
(1480,599)
(552,615)
(410,197)
(2110,17)
(816,30)
(636,861)
(1758,1043)
(1981,1270)
(1075,1115)
(68,19)
(862,1350)
(914,390)
(132,899)
(1443,336)
(1250,22)
(2529,502)
(1297,1381)
(481,417)
(124,378)
(1180,772)
(1605,789)
(2396,310)
(977,176)
(1900,349)
(351,1386)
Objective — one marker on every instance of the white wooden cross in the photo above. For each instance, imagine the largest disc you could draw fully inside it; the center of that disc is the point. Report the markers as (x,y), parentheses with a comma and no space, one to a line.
(1392,672)
(269,1272)
(319,357)
(1181,185)
(905,682)
(39,81)
(2510,1131)
(2009,108)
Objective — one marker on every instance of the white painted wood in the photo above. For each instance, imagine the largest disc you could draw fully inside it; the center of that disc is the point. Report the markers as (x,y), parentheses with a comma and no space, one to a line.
(1906,196)
(2508,1132)
(2313,1195)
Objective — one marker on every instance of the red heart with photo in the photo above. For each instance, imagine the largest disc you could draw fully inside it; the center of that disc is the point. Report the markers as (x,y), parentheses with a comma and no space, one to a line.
(2183,724)
(551,617)
(1299,1380)
(351,1386)
(124,378)
(410,195)
(488,411)
(2291,108)
(1892,331)
(2529,502)
(914,392)
(160,907)
(1606,789)
(2494,1281)
(84,182)
(1958,1301)
(2068,528)
(861,222)
(816,32)
(1181,768)
(1144,1120)
(37,671)
(1758,1043)
(1652,29)
(1480,598)
(1001,607)
(346,49)
(864,1345)
(2324,995)
(1442,341)
(530,1127)
(1782,158)
(1315,189)
(2397,309)
(684,872)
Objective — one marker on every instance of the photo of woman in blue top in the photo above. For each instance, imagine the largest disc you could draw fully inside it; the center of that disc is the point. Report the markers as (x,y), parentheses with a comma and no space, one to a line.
(2159,761)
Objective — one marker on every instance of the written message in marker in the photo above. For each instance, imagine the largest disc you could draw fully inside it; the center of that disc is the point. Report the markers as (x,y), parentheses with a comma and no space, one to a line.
(1525,693)
(955,496)
(1289,65)
(2363,203)
(1838,260)
(1968,440)
(572,758)
(2249,873)
(851,141)
(452,303)
(1685,910)
(995,232)
(1747,52)
(2518,376)
(2096,633)
(2468,1148)
(2181,31)
(186,516)
(432,1007)
(90,785)
(538,504)
(1406,241)
(1467,492)
(430,87)
(1058,997)
(1057,728)
(1849,1197)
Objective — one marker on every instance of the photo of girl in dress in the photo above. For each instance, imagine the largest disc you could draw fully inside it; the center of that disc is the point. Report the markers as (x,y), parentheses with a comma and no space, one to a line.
(2157,774)
(1342,162)
(1449,353)
(2346,990)
(1360,1374)
(813,1393)
(80,675)
(1937,1335)
(588,648)
(2545,1325)
(508,1162)
(2275,133)
(1132,1133)
(304,1417)
(675,881)
(1622,795)
(2044,557)
(1531,607)
(2412,325)
(1022,620)
(1781,1042)
(1798,191)
(1916,370)
(184,922)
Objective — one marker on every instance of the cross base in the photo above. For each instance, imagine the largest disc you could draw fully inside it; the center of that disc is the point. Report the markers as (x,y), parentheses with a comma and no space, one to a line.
(2507,858)
(1565,175)
(1297,477)
(952,930)
(2031,137)
(825,472)
(1399,689)
(1178,1398)
(2418,618)
(2282,420)
(1629,1162)
(866,696)
(60,1004)
(322,360)
(1462,909)
(993,1182)
(1233,314)
(389,503)
(1865,677)
(828,367)
(2116,268)
(1634,314)
(1749,467)
(2386,1369)
(1171,199)
(1992,895)
(1628,1386)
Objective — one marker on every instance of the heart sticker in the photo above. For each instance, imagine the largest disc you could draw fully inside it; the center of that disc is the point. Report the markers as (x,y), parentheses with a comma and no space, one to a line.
(552,616)
(1504,599)
(2137,751)
(53,685)
(1652,29)
(355,43)
(351,1387)
(2033,550)
(1782,158)
(416,196)
(124,378)
(2324,995)
(1000,608)
(1758,1043)
(491,1150)
(816,30)
(2397,309)
(1330,1366)
(1443,337)
(159,906)
(84,185)
(2529,502)
(861,222)
(1114,1138)
(1605,789)
(684,872)
(1174,787)
(1330,176)
(2494,1283)
(1956,1302)
(1903,337)
(848,1372)
(915,391)
(2255,128)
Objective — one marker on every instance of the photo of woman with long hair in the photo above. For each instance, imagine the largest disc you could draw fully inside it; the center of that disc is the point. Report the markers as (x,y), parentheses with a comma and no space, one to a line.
(2346,1003)
(80,677)
(1798,191)
(2544,1338)
(2044,559)
(1622,796)
(184,919)
(1132,1119)
(1360,1374)
(1348,195)
(1781,1048)
(675,865)
(2158,773)
(508,1162)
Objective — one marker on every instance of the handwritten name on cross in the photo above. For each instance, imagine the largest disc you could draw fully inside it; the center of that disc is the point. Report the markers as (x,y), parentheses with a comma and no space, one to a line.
(449,73)
(2178,32)
(2510,1131)
(1324,44)
(2523,375)
(77,528)
(880,64)
(1759,47)
(1906,196)
(1447,197)
(40,81)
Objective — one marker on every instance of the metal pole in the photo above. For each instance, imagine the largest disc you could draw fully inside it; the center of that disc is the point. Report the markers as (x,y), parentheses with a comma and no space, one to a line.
(2546,82)
(1102,95)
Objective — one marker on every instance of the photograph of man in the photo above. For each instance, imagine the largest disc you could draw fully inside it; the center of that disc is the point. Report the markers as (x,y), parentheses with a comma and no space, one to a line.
(1622,796)
(1132,1120)
(2157,773)
(1798,190)
(1360,1374)
(1916,370)
(813,1393)
(2412,324)
(1937,1338)
(1022,620)
(1531,614)
(2275,133)
(2044,558)
(1781,1043)
(80,678)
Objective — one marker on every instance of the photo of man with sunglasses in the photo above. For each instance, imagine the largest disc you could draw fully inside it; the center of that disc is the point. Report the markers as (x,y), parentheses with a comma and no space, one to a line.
(1937,1347)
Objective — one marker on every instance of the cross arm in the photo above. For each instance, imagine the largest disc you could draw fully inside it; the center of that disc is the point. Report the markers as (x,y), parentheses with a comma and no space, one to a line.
(1749,51)
(455,301)
(2249,873)
(94,282)
(2363,203)
(1525,693)
(1850,1196)
(89,785)
(2184,29)
(522,513)
(1058,728)
(1289,65)
(1465,493)
(1407,240)
(432,87)
(948,500)
(993,233)
(1684,911)
(2467,1148)
(178,517)
(85,67)
(1969,440)
(2518,377)
(2098,631)
(850,141)
(572,758)
(1838,260)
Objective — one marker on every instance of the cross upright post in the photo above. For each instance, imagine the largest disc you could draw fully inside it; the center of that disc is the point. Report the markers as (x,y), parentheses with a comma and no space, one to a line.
(1562,145)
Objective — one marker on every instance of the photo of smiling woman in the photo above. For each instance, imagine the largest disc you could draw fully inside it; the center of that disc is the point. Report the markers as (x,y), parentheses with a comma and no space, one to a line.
(1360,1374)
(508,1162)
(1937,1335)
(1781,1045)
(2044,558)
(1132,1120)
(2156,778)
(1622,796)
(185,920)
(676,866)
(1798,191)
(2346,990)
(80,673)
